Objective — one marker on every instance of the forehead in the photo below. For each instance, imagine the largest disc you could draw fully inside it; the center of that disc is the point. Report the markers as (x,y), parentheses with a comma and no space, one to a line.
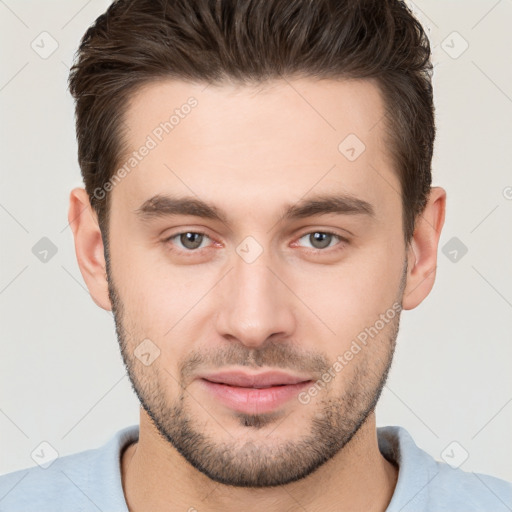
(273,142)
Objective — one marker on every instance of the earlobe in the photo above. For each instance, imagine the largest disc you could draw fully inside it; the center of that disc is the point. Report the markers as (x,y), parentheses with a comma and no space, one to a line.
(89,248)
(422,251)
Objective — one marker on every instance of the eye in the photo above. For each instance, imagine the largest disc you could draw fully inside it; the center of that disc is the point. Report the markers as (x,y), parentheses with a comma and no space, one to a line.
(320,240)
(189,240)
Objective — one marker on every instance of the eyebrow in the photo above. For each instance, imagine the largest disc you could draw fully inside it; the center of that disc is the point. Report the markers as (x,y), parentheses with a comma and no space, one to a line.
(160,206)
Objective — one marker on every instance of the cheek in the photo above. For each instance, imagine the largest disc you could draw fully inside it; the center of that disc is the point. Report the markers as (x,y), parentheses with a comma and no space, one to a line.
(351,296)
(162,300)
(171,307)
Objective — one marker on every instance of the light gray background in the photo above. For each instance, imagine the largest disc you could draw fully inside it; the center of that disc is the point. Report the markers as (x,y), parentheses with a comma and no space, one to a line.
(62,378)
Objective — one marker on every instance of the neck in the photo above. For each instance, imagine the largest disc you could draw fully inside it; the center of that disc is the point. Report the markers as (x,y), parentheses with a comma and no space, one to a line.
(156,477)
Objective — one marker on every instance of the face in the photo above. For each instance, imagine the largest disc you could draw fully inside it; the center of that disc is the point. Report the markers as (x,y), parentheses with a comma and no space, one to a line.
(256,272)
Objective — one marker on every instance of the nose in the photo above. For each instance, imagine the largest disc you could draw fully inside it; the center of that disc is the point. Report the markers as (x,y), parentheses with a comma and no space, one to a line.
(253,304)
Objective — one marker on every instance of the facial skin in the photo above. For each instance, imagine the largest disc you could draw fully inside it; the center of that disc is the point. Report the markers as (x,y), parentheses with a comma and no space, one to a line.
(253,153)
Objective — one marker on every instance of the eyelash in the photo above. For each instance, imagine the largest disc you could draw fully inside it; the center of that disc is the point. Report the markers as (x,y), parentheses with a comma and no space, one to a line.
(342,241)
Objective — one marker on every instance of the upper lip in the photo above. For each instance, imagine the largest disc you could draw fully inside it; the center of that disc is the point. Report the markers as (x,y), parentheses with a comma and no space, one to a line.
(254,380)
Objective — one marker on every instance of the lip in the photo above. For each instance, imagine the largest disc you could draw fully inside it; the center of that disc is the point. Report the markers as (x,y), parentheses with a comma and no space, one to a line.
(253,393)
(254,380)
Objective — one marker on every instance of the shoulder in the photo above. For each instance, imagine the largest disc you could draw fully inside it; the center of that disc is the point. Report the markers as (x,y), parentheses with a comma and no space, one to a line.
(425,484)
(37,488)
(89,480)
(456,489)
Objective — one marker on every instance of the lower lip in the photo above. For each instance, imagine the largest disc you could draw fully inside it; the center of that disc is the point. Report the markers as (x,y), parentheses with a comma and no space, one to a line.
(253,400)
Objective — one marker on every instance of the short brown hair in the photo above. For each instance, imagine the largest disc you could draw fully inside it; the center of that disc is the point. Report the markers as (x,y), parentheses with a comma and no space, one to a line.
(249,42)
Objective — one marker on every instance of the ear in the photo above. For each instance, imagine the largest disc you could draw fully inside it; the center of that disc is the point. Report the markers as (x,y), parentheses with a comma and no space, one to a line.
(422,251)
(89,246)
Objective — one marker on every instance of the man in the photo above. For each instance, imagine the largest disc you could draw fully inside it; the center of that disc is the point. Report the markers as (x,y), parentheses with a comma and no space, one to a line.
(257,212)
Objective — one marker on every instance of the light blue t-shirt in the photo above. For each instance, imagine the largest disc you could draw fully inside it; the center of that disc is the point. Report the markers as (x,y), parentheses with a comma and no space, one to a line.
(91,480)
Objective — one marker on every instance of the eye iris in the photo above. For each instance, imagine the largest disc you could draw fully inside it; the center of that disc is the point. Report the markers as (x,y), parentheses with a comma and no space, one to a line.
(191,240)
(320,240)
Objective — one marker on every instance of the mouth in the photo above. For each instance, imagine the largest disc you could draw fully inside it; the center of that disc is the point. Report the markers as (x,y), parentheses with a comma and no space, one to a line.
(255,380)
(254,393)
(251,387)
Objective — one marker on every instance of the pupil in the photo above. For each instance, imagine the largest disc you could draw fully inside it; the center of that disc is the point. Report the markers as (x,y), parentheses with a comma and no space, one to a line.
(191,240)
(321,240)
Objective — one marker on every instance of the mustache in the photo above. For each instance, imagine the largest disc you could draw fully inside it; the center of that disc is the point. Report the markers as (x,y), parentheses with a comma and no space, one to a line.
(274,354)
